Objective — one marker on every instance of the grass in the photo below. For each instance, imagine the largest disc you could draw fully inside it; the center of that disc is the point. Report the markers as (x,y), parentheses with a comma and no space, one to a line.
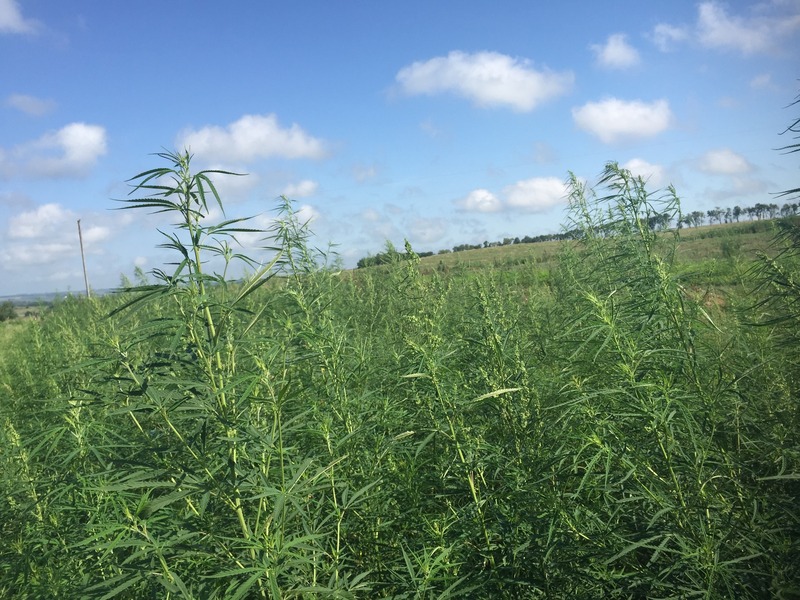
(573,420)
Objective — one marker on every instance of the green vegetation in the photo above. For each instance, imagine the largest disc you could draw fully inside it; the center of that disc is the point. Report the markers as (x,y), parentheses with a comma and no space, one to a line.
(584,424)
(7,311)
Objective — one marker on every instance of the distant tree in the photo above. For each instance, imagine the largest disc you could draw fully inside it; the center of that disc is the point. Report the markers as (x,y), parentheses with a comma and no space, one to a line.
(7,311)
(658,222)
(773,210)
(737,212)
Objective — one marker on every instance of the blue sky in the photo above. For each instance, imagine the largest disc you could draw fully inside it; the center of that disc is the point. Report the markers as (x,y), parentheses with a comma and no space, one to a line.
(440,122)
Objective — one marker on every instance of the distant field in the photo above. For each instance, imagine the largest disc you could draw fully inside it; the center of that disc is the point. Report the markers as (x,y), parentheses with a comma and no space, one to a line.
(699,251)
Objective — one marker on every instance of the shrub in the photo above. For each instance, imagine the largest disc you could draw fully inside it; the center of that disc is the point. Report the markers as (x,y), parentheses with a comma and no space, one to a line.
(7,311)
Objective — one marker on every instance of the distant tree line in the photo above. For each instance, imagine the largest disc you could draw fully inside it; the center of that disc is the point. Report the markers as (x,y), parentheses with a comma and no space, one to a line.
(657,222)
(734,215)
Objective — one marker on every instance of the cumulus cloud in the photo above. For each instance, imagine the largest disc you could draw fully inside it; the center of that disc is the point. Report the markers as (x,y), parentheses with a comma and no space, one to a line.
(44,220)
(307,214)
(536,194)
(666,36)
(613,120)
(69,152)
(653,174)
(739,187)
(95,233)
(427,231)
(12,21)
(234,188)
(716,28)
(616,53)
(301,189)
(30,105)
(488,79)
(480,200)
(251,137)
(18,256)
(47,234)
(377,226)
(724,162)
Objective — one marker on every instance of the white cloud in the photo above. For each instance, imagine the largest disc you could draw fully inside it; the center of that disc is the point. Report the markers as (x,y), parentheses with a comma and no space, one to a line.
(251,137)
(30,104)
(716,28)
(41,236)
(536,194)
(301,189)
(307,214)
(616,53)
(612,120)
(724,162)
(427,231)
(12,21)
(739,187)
(48,234)
(44,221)
(20,256)
(665,36)
(233,188)
(69,152)
(486,78)
(652,174)
(95,233)
(377,226)
(480,200)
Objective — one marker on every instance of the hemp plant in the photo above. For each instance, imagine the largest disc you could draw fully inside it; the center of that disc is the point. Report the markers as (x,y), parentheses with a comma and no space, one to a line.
(187,399)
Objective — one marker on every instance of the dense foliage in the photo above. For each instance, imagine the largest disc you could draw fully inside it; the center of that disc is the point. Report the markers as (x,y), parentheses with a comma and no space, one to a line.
(7,311)
(594,432)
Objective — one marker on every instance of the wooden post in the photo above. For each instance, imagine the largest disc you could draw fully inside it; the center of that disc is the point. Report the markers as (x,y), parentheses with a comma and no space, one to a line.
(83,260)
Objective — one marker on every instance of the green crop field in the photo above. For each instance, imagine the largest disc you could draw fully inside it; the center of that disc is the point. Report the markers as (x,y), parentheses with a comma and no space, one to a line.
(615,416)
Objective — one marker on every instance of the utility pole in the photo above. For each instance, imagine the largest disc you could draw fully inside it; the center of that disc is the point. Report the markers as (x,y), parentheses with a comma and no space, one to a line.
(83,260)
